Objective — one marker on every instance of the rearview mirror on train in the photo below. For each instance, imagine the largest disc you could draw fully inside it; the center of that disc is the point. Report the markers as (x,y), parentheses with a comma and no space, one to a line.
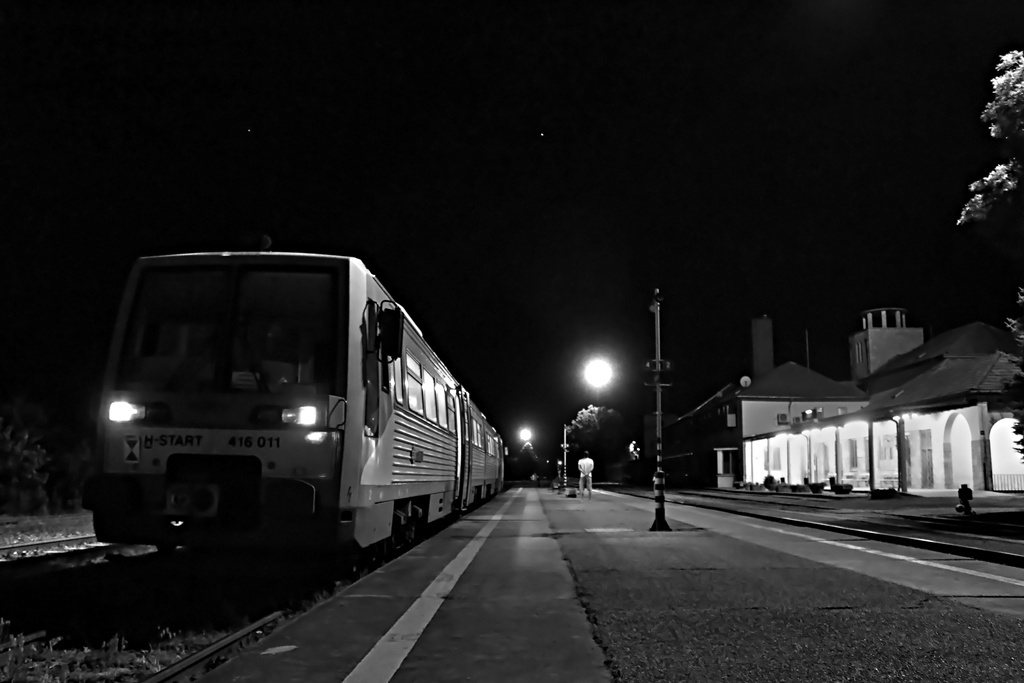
(390,331)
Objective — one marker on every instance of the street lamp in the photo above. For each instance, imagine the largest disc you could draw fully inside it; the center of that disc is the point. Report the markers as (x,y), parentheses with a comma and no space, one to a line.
(525,434)
(597,373)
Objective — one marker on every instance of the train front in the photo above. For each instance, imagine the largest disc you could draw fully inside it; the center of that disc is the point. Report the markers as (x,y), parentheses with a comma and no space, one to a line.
(221,419)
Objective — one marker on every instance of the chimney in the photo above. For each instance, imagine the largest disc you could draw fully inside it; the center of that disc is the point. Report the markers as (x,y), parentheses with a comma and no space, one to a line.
(763,348)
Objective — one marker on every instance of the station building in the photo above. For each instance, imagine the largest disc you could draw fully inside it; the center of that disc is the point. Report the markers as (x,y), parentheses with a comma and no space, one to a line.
(916,415)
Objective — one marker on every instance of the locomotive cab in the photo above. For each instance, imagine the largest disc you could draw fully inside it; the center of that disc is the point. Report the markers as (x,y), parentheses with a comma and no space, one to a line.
(222,414)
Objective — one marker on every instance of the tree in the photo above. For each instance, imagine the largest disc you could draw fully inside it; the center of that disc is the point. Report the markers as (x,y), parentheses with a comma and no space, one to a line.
(601,432)
(997,206)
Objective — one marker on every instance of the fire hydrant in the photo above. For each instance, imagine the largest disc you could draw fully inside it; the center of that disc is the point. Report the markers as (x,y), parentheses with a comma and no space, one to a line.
(965,494)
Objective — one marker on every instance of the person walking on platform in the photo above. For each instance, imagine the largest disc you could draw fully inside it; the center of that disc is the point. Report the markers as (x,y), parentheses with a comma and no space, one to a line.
(586,466)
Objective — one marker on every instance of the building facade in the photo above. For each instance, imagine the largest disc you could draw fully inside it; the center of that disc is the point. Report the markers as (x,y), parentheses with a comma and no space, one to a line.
(920,416)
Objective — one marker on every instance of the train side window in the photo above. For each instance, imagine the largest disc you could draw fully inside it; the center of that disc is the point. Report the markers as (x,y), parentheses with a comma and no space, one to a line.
(450,399)
(395,379)
(477,441)
(429,400)
(414,384)
(442,412)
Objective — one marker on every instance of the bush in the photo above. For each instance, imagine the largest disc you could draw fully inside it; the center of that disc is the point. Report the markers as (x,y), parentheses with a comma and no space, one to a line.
(22,470)
(769,483)
(32,480)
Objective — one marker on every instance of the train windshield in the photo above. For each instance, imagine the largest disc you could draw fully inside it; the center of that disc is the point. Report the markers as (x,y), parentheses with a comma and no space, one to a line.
(231,330)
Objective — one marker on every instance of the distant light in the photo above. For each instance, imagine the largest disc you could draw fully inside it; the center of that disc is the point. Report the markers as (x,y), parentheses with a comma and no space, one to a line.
(525,434)
(598,372)
(177,522)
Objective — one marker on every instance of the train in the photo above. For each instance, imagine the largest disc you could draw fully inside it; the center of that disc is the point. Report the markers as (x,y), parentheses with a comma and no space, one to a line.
(271,400)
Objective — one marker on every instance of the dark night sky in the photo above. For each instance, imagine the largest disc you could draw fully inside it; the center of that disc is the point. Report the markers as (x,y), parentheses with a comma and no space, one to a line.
(520,178)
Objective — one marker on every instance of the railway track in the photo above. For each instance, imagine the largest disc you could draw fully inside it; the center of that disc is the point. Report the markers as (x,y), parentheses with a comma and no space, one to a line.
(192,667)
(1002,557)
(958,524)
(22,560)
(37,546)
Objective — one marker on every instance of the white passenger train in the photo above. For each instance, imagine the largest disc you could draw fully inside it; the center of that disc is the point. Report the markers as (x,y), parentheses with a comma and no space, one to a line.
(273,400)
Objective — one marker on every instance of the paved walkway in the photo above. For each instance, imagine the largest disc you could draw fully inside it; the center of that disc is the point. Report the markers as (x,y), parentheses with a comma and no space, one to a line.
(537,587)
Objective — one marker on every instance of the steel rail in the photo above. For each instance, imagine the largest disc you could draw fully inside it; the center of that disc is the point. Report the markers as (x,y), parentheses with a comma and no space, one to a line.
(966,524)
(43,545)
(983,554)
(193,666)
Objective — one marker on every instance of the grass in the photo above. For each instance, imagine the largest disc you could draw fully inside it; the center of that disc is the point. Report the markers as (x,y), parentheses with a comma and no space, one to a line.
(44,662)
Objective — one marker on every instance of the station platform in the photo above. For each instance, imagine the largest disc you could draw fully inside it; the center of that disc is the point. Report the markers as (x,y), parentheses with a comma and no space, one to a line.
(537,587)
(490,598)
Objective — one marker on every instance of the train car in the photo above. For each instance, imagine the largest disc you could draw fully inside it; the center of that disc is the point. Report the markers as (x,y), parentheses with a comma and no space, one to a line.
(273,400)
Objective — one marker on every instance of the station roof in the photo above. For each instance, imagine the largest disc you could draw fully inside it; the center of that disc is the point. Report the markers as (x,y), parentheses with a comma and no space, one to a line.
(794,381)
(973,339)
(951,378)
(789,381)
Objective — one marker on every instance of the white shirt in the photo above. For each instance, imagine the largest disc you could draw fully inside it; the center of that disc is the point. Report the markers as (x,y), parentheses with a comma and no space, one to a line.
(586,466)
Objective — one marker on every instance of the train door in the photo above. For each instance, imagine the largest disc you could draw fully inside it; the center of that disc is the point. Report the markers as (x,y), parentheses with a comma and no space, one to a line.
(465,446)
(502,456)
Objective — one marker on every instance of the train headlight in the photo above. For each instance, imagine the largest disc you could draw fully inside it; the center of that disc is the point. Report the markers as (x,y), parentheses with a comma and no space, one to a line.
(305,415)
(316,437)
(123,411)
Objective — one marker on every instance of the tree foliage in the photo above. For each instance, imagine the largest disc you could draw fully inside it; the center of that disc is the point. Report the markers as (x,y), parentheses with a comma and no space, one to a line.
(34,479)
(600,431)
(997,206)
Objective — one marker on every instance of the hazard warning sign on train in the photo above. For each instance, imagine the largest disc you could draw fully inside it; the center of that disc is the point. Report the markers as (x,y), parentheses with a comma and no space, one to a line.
(131,449)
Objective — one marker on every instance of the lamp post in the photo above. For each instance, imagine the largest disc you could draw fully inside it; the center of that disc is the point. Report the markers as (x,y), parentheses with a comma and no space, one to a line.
(657,366)
(525,434)
(565,458)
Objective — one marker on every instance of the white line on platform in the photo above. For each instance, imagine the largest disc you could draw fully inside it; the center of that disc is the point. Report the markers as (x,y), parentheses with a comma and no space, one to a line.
(382,662)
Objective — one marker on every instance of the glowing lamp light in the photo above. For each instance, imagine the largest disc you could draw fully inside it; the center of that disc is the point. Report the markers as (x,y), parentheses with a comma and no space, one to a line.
(316,437)
(525,434)
(123,411)
(305,415)
(598,373)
